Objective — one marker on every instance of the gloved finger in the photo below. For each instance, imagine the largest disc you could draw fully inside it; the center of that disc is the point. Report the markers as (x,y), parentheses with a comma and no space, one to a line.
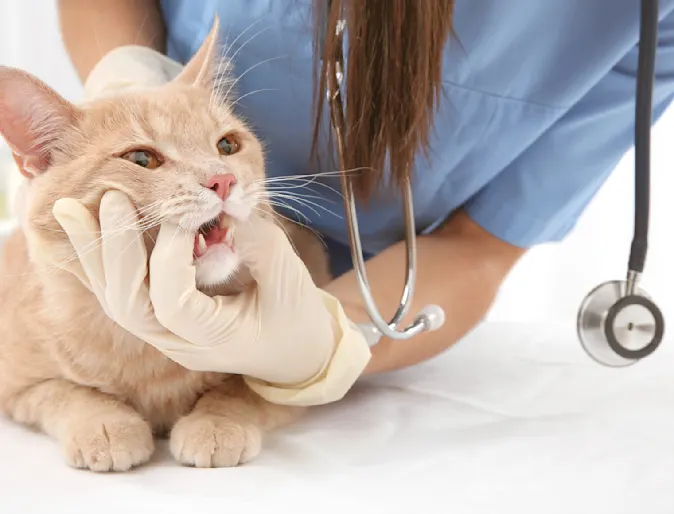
(125,265)
(124,256)
(268,253)
(178,304)
(83,232)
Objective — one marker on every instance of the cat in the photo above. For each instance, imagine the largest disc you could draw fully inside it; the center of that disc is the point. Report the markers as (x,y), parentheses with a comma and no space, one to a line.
(180,153)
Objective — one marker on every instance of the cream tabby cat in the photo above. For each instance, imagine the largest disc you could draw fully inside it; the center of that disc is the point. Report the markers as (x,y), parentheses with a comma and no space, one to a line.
(65,367)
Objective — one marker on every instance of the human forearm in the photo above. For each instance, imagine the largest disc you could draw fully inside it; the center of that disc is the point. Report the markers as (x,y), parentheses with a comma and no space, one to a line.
(460,268)
(91,29)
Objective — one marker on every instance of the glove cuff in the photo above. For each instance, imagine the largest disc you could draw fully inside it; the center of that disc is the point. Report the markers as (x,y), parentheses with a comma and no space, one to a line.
(349,359)
(129,67)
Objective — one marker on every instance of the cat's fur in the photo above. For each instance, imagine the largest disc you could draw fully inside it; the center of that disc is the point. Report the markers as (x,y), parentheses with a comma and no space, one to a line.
(65,367)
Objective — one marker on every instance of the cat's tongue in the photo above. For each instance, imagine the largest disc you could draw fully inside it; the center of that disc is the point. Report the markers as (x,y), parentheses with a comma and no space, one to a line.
(214,236)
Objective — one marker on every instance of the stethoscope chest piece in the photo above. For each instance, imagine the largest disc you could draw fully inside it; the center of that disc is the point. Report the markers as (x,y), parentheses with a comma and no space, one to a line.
(618,329)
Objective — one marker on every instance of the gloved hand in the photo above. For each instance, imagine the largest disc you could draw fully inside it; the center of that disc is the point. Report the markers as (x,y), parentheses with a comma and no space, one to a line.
(129,67)
(289,338)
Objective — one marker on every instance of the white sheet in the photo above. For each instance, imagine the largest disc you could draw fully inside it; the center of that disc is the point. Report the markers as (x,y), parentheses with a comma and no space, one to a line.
(514,419)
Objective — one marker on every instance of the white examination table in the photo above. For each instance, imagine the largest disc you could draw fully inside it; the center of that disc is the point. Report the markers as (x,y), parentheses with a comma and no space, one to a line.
(514,419)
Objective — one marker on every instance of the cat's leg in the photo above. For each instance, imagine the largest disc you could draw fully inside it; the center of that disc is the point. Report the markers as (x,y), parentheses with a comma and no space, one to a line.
(226,426)
(95,430)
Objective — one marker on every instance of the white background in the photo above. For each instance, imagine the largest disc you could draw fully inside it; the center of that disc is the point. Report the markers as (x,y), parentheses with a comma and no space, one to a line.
(547,285)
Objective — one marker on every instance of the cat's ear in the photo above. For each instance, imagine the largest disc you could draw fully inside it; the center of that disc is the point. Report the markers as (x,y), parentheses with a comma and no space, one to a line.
(33,118)
(207,63)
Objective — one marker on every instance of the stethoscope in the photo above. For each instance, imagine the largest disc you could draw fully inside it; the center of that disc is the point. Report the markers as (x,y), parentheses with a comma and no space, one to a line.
(617,324)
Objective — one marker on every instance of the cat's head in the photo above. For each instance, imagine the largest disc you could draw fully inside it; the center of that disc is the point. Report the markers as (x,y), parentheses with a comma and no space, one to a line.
(178,151)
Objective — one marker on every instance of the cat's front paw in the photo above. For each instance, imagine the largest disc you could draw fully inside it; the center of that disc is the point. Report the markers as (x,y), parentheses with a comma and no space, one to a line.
(115,441)
(210,441)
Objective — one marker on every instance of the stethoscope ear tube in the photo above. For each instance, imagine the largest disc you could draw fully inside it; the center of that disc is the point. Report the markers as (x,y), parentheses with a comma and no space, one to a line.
(618,324)
(648,41)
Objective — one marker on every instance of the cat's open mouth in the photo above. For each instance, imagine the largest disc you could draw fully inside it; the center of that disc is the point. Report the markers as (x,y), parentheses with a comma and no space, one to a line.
(214,232)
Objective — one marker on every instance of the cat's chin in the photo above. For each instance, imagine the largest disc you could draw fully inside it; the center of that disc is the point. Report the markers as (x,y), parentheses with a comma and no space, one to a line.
(216,269)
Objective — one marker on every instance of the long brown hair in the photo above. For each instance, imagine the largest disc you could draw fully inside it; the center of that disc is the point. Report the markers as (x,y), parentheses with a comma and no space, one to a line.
(393,80)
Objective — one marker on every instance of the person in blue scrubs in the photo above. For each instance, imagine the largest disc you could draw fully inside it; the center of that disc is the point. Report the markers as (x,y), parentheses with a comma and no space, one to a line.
(536,110)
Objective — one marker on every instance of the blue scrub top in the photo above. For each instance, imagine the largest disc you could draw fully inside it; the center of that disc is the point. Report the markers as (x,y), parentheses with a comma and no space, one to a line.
(537,110)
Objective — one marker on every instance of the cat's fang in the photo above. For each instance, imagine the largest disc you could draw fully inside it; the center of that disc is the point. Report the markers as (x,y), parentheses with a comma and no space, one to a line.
(223,222)
(201,244)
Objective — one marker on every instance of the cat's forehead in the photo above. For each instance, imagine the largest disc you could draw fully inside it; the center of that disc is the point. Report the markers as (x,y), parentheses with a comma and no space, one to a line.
(182,115)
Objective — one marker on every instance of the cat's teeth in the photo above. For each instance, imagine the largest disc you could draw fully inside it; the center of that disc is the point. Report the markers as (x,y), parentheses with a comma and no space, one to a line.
(229,236)
(224,222)
(202,244)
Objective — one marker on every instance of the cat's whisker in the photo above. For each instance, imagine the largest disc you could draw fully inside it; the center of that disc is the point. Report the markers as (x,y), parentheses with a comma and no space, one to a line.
(230,59)
(251,68)
(243,45)
(146,224)
(282,227)
(179,211)
(270,192)
(95,244)
(125,249)
(73,258)
(280,196)
(83,252)
(313,206)
(275,213)
(135,222)
(119,228)
(215,90)
(138,218)
(217,76)
(272,203)
(291,181)
(140,28)
(138,213)
(250,93)
(171,241)
(295,222)
(284,186)
(335,173)
(305,202)
(278,204)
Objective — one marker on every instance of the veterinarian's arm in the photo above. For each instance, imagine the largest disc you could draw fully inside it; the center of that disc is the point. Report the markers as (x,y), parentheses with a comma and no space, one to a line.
(460,268)
(92,28)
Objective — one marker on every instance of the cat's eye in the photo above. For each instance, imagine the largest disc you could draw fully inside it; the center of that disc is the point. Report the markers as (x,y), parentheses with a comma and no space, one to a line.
(143,158)
(228,145)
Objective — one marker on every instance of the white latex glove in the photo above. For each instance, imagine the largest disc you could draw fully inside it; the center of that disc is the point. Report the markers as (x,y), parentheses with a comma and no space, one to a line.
(290,339)
(129,67)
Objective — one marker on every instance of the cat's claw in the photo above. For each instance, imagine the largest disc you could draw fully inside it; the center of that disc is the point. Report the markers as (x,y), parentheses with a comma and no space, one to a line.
(209,441)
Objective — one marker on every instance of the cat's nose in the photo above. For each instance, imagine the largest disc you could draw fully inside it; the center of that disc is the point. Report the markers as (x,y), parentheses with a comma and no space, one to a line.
(221,184)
